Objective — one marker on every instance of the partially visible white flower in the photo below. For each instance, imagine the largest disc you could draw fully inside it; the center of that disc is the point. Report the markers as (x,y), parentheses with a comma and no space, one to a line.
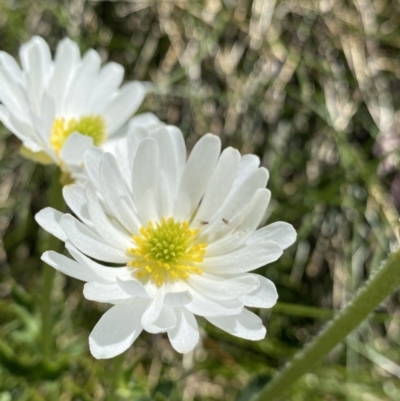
(184,233)
(60,108)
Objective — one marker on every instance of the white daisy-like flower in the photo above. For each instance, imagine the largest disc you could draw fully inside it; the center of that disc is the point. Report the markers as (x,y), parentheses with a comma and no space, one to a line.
(184,233)
(60,108)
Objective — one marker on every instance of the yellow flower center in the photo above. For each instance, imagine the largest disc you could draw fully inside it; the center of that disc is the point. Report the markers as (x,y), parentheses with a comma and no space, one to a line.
(166,251)
(92,125)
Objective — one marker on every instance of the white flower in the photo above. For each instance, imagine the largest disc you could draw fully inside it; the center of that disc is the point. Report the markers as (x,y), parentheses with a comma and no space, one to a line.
(184,232)
(60,108)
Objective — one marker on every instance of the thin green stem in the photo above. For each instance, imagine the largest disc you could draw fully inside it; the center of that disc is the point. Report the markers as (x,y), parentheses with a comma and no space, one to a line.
(45,309)
(117,370)
(380,285)
(55,200)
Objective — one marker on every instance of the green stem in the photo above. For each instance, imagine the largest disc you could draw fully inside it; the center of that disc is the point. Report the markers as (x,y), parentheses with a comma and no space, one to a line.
(56,201)
(117,370)
(45,309)
(380,285)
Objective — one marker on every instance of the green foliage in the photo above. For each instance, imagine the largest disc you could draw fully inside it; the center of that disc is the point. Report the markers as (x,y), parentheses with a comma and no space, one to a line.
(308,86)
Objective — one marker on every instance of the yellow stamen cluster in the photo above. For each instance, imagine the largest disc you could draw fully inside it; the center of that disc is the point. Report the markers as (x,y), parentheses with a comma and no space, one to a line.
(166,251)
(92,125)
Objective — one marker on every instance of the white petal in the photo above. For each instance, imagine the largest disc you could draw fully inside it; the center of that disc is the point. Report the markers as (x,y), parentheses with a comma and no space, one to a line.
(66,61)
(244,193)
(219,186)
(108,81)
(152,312)
(74,148)
(165,321)
(265,296)
(91,159)
(47,116)
(226,244)
(179,146)
(221,288)
(203,306)
(248,164)
(133,288)
(117,329)
(221,228)
(74,196)
(174,299)
(164,196)
(70,267)
(42,123)
(127,147)
(11,67)
(158,318)
(245,325)
(36,61)
(135,137)
(106,274)
(243,260)
(123,105)
(196,175)
(117,197)
(99,292)
(106,228)
(148,120)
(90,243)
(144,180)
(185,335)
(23,130)
(79,92)
(120,149)
(131,220)
(49,219)
(169,167)
(235,204)
(280,232)
(255,210)
(12,94)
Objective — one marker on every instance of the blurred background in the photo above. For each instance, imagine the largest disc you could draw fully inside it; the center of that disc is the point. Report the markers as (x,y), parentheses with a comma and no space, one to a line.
(310,86)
